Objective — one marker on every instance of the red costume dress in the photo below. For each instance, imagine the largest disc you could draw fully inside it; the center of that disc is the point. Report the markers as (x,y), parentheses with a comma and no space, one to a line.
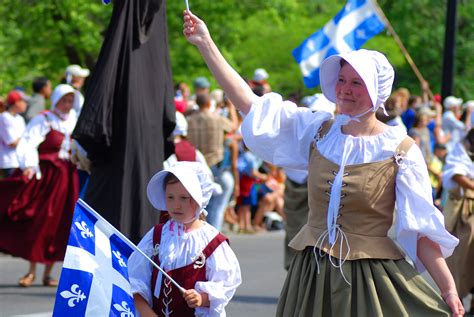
(36,215)
(171,301)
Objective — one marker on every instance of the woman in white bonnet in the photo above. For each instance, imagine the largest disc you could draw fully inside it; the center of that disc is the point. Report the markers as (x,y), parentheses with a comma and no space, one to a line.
(359,170)
(38,200)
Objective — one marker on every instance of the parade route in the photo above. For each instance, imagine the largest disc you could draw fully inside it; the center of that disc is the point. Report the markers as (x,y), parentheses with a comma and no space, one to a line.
(260,258)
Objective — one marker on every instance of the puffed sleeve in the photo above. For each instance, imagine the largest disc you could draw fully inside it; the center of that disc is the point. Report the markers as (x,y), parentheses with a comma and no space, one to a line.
(139,269)
(457,163)
(223,277)
(417,215)
(34,135)
(279,132)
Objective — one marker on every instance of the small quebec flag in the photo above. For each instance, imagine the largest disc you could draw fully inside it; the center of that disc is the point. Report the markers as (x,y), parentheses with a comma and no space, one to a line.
(356,23)
(94,278)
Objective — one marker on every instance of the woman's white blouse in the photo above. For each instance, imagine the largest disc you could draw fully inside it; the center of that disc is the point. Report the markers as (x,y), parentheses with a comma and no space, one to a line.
(280,132)
(35,134)
(178,249)
(458,162)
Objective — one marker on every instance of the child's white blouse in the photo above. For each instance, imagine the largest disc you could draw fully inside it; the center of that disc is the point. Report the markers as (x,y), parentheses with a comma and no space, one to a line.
(281,133)
(178,249)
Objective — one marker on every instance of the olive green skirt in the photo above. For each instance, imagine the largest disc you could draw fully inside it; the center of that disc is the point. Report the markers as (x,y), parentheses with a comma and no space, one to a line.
(378,288)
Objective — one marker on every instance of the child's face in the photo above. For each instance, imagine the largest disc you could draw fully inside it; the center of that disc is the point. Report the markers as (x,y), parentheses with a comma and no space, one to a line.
(181,206)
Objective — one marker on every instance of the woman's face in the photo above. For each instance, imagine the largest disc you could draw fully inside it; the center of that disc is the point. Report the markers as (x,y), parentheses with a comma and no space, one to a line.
(181,206)
(66,103)
(351,93)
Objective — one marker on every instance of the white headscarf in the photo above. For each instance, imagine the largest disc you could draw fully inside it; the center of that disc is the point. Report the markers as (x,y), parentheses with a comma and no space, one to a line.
(59,92)
(372,66)
(195,178)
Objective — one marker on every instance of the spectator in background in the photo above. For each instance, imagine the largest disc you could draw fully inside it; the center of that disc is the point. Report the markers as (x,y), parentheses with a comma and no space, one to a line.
(435,169)
(402,95)
(12,126)
(468,105)
(248,165)
(392,117)
(259,79)
(452,124)
(181,94)
(201,86)
(206,131)
(408,117)
(37,102)
(76,76)
(420,132)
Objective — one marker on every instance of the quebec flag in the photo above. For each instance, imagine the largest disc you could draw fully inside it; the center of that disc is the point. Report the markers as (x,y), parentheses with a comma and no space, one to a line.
(94,278)
(356,23)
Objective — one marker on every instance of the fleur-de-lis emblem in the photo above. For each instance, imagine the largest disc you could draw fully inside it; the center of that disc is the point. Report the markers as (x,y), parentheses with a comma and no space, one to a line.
(85,232)
(119,258)
(200,261)
(124,310)
(74,296)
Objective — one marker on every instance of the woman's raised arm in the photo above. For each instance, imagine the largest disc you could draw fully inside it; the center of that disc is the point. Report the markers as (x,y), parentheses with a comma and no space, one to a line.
(236,89)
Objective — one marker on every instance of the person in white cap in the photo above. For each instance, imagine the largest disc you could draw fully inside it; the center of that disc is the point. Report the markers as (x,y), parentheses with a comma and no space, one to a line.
(39,198)
(259,79)
(359,169)
(192,252)
(451,123)
(76,76)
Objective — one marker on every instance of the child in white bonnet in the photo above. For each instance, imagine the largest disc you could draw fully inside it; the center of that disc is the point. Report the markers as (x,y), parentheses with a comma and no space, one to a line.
(191,251)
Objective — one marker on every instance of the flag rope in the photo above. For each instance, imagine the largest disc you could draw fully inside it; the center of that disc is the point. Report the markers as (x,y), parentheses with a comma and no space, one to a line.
(130,243)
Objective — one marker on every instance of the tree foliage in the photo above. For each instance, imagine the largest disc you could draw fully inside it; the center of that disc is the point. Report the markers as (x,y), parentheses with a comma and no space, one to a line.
(42,37)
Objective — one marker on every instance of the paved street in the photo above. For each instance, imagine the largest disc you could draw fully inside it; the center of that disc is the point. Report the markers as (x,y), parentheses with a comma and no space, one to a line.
(260,258)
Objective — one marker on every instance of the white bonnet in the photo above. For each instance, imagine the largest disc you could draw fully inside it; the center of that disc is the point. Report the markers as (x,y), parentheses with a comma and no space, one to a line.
(59,92)
(372,66)
(193,175)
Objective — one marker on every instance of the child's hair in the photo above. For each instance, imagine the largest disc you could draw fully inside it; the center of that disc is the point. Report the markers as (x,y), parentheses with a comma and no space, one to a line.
(170,178)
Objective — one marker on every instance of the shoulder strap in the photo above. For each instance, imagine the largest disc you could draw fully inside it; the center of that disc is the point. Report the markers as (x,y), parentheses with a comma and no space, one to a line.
(157,233)
(218,239)
(325,127)
(404,146)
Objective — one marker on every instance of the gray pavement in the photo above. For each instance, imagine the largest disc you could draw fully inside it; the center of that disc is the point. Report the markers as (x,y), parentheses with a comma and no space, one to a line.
(260,258)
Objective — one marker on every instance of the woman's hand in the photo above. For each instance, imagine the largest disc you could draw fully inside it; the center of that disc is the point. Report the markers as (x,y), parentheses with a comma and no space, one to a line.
(453,301)
(29,173)
(195,29)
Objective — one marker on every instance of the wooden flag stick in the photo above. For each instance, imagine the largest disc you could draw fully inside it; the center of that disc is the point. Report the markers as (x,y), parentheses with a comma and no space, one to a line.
(128,242)
(397,39)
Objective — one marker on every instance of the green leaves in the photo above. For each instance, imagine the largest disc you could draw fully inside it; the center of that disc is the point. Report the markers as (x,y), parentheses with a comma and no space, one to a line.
(43,37)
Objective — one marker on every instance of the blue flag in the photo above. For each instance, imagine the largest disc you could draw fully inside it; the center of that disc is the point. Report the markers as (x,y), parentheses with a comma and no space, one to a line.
(94,278)
(356,23)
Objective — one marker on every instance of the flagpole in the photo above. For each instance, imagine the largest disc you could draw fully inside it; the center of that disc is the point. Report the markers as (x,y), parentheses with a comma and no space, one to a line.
(129,243)
(402,47)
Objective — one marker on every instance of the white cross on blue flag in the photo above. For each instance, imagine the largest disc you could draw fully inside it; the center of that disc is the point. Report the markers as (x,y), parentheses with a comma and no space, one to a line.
(356,23)
(94,278)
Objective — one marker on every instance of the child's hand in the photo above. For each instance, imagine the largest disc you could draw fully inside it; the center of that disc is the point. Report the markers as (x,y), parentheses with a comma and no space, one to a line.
(195,299)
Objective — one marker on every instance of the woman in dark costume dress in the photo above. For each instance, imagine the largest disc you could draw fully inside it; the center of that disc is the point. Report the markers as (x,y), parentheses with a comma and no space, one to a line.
(37,202)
